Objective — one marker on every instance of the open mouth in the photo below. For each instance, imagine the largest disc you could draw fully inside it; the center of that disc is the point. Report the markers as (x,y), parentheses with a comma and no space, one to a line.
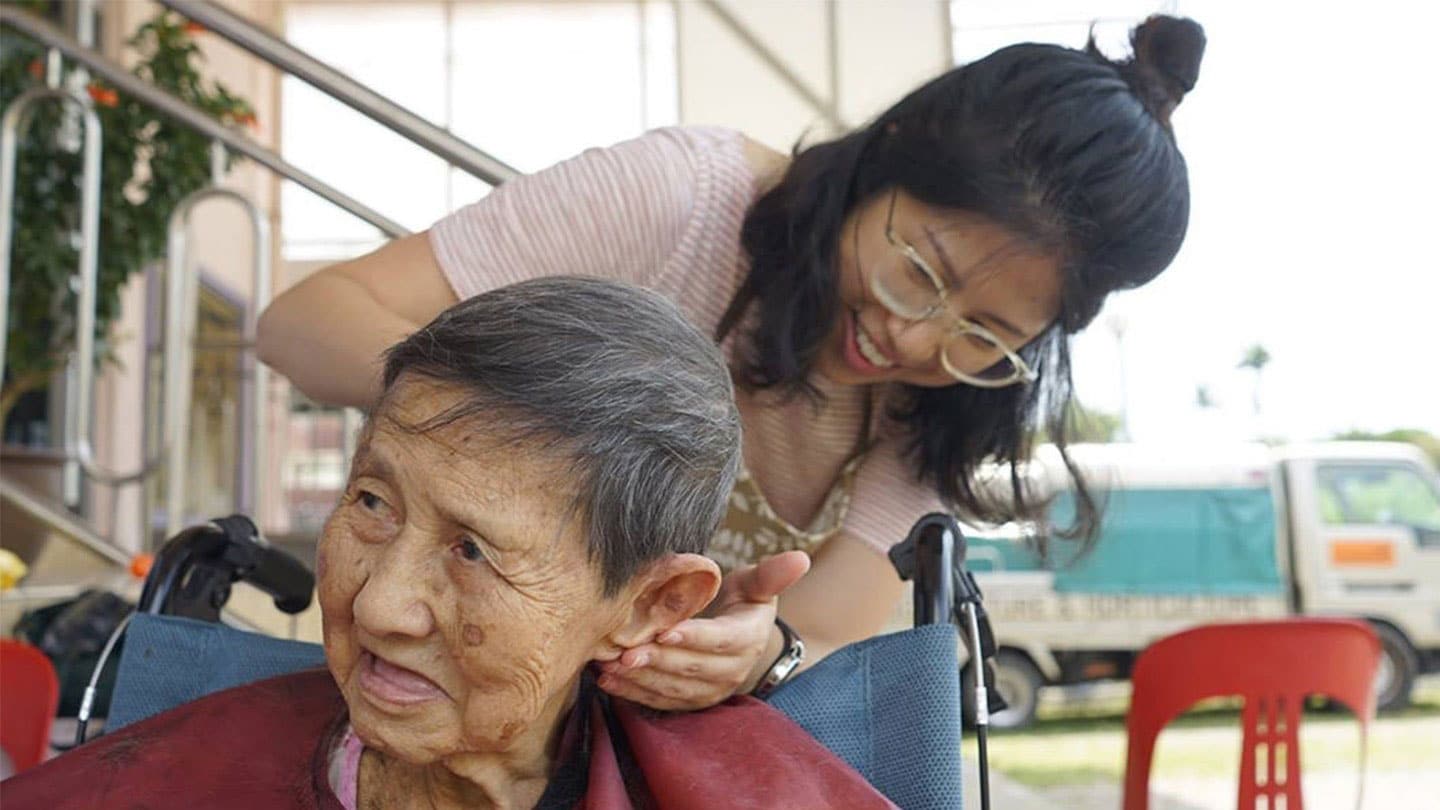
(863,353)
(394,684)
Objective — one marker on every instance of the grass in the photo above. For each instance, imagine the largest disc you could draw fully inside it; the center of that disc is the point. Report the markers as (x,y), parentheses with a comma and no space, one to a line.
(1072,746)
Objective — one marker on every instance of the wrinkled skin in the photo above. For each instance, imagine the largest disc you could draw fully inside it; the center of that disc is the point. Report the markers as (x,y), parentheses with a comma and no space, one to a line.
(454,556)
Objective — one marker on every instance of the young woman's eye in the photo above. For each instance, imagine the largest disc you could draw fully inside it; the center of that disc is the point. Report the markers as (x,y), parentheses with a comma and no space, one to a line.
(917,272)
(979,344)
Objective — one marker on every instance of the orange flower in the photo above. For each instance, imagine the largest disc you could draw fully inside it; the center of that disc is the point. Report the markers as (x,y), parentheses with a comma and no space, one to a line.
(248,119)
(192,27)
(36,68)
(103,96)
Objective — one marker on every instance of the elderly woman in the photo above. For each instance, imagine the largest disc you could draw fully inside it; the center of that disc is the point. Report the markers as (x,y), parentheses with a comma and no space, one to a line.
(532,493)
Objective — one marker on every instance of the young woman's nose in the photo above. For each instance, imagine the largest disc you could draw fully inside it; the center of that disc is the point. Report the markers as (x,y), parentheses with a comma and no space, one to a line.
(916,343)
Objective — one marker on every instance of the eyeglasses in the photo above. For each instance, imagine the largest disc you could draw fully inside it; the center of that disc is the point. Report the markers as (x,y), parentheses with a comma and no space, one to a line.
(914,291)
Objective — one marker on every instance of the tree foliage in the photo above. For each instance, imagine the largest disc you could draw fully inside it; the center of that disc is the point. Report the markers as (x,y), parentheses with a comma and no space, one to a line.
(1426,441)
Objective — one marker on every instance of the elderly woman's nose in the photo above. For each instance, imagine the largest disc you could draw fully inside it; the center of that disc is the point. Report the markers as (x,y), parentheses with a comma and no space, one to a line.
(392,600)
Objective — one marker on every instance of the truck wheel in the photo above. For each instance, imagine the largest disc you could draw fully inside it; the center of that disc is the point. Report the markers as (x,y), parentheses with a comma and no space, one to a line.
(1398,667)
(1018,682)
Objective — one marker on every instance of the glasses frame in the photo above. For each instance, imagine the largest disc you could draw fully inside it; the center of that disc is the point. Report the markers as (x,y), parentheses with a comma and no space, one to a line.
(959,326)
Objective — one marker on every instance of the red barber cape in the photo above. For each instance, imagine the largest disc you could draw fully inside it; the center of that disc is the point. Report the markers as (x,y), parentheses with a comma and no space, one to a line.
(267,745)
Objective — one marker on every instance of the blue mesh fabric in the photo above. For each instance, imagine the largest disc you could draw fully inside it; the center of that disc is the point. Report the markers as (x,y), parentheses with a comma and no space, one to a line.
(890,707)
(168,661)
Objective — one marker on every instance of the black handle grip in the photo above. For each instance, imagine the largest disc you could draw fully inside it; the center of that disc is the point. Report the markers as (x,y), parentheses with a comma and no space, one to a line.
(270,569)
(283,577)
(928,555)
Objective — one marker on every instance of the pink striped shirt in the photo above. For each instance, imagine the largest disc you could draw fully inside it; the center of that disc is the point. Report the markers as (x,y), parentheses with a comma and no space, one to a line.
(664,211)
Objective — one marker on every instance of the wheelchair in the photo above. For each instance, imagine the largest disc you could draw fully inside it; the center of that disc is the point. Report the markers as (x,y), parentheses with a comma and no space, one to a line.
(888,706)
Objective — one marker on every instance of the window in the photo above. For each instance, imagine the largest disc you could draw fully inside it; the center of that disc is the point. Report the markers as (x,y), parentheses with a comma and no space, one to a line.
(1384,494)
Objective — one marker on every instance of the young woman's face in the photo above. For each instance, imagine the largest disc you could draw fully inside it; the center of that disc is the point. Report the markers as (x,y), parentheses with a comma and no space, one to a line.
(994,279)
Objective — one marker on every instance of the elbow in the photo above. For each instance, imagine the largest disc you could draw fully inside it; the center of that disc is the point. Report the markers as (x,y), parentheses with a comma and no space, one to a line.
(268,335)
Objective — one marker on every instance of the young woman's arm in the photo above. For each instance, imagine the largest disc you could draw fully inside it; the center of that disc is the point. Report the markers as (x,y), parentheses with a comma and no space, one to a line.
(849,595)
(328,332)
(617,212)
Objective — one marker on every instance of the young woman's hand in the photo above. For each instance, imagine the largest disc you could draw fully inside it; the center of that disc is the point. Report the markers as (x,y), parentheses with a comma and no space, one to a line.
(702,661)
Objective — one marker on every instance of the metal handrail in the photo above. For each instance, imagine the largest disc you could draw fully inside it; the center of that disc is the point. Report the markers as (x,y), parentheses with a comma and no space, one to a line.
(16,116)
(182,291)
(16,496)
(277,52)
(181,310)
(78,398)
(132,85)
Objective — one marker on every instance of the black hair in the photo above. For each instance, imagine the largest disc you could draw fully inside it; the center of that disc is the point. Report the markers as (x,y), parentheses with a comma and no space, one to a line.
(1066,148)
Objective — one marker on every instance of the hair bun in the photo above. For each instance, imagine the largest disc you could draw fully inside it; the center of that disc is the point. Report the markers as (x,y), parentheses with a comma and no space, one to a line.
(1166,61)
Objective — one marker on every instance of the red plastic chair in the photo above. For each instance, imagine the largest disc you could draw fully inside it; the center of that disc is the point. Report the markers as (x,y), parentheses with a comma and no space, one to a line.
(1274,666)
(29,695)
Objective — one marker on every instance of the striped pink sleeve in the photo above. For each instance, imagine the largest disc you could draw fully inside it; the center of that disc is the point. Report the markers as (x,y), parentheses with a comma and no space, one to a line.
(617,213)
(888,498)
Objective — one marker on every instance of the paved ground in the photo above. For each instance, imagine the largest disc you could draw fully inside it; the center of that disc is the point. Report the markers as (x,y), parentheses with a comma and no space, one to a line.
(1389,790)
(1005,793)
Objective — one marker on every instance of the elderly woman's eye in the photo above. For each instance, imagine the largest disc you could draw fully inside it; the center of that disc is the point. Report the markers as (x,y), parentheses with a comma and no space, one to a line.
(469,550)
(369,500)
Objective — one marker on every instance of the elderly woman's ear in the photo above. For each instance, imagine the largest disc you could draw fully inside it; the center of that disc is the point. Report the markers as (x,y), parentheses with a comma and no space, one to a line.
(666,592)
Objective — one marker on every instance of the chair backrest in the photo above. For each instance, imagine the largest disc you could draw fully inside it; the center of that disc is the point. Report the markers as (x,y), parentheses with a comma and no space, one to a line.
(1274,666)
(29,695)
(169,660)
(889,706)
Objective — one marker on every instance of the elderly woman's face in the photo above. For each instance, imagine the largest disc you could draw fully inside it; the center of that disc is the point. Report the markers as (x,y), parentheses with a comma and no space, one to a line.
(458,601)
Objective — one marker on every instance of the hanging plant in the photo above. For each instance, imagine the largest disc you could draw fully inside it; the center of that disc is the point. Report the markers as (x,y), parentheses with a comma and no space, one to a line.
(149,163)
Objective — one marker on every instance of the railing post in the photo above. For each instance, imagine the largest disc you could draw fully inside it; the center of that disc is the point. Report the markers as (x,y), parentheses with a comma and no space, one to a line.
(77,399)
(182,303)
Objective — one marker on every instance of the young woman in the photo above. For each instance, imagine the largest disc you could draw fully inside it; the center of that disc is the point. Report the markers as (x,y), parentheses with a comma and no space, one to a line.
(895,305)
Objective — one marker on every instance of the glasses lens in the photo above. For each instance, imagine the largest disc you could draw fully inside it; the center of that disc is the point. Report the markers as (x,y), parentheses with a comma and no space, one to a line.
(905,289)
(974,355)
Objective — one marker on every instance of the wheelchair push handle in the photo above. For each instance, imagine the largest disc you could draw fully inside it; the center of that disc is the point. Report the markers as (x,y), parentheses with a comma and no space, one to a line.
(928,555)
(271,570)
(194,570)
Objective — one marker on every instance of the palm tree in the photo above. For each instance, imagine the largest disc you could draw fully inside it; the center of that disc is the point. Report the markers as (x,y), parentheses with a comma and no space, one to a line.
(1256,358)
(1203,397)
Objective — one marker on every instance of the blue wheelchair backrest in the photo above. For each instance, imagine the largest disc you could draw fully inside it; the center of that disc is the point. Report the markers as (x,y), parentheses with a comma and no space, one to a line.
(888,706)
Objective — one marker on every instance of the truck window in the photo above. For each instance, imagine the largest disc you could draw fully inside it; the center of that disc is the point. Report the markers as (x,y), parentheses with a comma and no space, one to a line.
(1388,494)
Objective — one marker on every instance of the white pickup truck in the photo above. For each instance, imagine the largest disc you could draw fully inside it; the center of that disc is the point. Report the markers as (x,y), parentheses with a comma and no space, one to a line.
(1220,534)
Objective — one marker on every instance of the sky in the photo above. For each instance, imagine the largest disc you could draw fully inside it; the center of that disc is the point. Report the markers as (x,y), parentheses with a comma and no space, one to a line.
(1313,141)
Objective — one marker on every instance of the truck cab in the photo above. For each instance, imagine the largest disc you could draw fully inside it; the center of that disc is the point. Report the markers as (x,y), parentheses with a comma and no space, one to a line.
(1365,541)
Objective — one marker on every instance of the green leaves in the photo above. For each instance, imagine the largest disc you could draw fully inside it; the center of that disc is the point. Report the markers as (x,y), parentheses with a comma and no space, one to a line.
(149,163)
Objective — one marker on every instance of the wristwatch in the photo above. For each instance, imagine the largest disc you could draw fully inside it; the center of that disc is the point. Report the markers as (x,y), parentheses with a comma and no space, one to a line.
(792,652)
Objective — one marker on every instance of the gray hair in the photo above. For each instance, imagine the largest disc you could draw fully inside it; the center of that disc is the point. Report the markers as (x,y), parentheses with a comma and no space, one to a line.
(615,377)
